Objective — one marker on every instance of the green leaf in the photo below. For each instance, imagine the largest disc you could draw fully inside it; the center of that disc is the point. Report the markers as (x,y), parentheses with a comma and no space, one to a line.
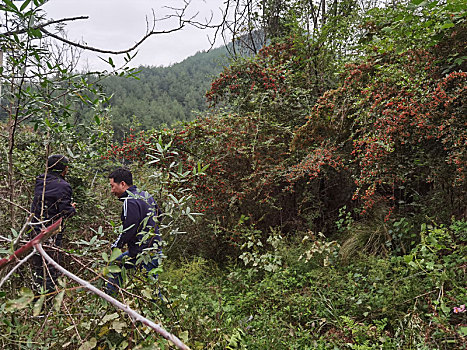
(10,6)
(38,306)
(27,296)
(118,326)
(447,25)
(123,345)
(108,318)
(159,148)
(146,293)
(36,33)
(70,152)
(58,300)
(105,257)
(183,336)
(62,282)
(24,5)
(14,232)
(460,60)
(172,197)
(445,309)
(89,345)
(387,30)
(116,252)
(114,269)
(105,271)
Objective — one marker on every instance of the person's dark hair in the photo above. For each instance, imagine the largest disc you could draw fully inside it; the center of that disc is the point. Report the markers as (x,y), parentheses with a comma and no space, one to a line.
(121,174)
(57,162)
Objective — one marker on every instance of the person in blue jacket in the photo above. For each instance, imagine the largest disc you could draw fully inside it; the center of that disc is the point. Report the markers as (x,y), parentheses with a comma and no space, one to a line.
(140,231)
(52,201)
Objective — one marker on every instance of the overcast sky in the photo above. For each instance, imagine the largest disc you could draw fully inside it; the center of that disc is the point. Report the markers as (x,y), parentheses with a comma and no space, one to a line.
(118,24)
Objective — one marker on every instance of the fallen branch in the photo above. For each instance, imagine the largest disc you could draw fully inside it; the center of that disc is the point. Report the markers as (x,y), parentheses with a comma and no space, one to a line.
(36,243)
(132,313)
(28,247)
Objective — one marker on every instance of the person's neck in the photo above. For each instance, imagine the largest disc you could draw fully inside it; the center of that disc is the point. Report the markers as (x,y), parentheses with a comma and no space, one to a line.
(54,173)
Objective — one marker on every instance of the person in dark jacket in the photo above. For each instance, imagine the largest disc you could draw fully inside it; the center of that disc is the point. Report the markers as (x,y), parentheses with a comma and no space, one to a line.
(52,201)
(139,231)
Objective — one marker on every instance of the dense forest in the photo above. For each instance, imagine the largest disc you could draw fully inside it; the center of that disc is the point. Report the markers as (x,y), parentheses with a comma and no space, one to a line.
(158,96)
(312,191)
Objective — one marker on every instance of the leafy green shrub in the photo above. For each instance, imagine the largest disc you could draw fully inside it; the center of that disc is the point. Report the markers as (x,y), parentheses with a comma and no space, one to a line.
(256,255)
(440,258)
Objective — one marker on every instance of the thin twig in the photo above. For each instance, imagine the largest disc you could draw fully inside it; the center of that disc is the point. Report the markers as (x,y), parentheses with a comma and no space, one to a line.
(28,221)
(15,204)
(21,262)
(72,321)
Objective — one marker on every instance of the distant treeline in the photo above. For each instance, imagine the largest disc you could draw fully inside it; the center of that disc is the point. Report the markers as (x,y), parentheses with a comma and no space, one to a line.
(163,95)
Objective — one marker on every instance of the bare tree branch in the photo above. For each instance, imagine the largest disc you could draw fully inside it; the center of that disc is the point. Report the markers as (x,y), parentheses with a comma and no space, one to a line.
(112,52)
(180,12)
(42,25)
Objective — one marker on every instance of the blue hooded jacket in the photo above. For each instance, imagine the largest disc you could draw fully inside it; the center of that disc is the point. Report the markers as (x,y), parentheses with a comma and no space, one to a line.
(138,218)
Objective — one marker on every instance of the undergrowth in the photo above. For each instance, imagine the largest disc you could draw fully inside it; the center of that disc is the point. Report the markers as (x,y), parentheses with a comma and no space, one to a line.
(409,301)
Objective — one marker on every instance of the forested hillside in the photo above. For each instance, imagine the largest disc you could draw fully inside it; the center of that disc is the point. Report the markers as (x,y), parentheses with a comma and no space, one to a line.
(163,95)
(319,202)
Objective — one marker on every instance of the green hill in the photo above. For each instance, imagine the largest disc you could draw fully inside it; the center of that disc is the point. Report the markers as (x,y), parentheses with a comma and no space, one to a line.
(163,95)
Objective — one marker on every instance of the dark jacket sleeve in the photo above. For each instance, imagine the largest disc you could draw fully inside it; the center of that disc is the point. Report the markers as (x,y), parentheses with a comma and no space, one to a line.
(64,206)
(130,224)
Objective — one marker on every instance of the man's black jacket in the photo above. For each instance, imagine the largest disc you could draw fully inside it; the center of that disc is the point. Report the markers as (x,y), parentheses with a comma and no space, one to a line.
(57,198)
(138,218)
